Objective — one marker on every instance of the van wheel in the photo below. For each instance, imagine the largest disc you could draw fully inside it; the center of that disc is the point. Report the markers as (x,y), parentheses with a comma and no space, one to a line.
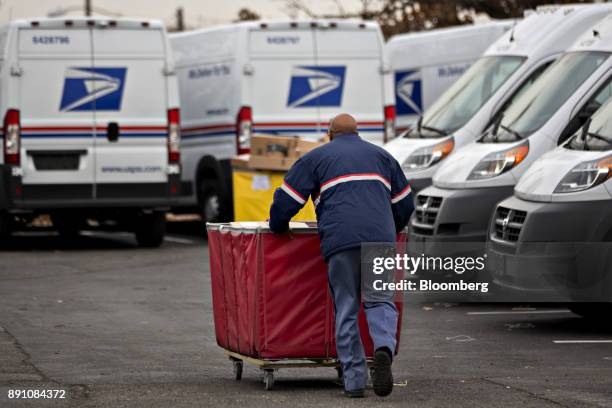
(211,208)
(150,229)
(592,311)
(5,228)
(67,226)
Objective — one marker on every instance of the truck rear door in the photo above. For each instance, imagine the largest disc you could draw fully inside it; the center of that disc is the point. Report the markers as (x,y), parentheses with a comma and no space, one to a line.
(130,113)
(351,60)
(285,83)
(56,90)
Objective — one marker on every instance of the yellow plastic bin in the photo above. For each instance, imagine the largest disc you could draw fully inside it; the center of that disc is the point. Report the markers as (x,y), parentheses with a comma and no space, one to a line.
(253,194)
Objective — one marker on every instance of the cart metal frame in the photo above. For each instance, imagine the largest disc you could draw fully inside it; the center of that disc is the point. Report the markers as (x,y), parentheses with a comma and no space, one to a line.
(269,366)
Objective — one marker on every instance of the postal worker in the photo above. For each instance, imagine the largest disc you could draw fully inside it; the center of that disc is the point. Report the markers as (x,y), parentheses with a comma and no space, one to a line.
(361,195)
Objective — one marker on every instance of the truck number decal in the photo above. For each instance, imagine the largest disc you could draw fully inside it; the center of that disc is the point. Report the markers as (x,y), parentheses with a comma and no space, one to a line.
(51,39)
(278,40)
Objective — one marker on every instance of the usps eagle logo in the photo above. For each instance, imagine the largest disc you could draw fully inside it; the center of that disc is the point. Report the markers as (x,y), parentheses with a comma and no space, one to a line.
(408,92)
(313,86)
(87,89)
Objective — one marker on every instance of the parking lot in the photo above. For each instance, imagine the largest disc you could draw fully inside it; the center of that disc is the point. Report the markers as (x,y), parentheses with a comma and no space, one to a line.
(115,325)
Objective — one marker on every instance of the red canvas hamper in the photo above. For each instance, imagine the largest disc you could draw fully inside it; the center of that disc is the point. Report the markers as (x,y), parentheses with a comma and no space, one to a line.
(270,294)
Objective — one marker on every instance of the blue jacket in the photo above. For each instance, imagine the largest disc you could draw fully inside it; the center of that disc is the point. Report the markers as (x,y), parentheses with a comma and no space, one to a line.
(359,190)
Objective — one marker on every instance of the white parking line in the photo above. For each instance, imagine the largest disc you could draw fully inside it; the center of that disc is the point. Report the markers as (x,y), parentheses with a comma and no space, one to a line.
(507,312)
(178,240)
(105,233)
(581,341)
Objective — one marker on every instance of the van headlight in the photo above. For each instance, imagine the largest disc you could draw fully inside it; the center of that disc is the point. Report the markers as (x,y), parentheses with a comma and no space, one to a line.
(585,175)
(428,156)
(497,163)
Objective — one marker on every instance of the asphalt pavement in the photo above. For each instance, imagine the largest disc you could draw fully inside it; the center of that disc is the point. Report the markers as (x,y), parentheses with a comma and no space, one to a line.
(114,325)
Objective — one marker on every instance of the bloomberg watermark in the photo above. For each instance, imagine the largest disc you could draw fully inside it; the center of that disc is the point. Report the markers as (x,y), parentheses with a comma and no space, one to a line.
(482,271)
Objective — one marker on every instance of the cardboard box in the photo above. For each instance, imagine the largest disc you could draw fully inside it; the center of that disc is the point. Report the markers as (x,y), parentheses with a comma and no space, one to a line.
(304,146)
(271,152)
(240,161)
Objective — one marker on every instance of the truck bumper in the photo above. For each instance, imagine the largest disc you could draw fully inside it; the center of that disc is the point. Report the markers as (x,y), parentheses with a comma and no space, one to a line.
(16,196)
(552,251)
(444,216)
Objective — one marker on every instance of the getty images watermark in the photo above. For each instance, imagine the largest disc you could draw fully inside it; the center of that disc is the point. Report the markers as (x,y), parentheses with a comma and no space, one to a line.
(389,271)
(386,267)
(488,271)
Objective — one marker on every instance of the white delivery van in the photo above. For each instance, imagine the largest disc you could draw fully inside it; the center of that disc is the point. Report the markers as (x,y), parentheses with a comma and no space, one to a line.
(91,124)
(476,99)
(554,235)
(468,185)
(426,63)
(282,77)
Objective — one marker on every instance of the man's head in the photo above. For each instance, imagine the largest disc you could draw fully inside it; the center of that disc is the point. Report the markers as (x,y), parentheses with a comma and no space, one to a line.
(343,123)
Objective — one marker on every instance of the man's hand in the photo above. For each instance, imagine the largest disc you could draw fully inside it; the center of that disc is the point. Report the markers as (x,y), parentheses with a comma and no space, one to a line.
(287,232)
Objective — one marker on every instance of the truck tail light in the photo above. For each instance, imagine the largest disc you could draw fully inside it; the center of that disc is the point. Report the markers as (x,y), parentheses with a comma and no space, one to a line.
(12,137)
(244,128)
(174,136)
(389,123)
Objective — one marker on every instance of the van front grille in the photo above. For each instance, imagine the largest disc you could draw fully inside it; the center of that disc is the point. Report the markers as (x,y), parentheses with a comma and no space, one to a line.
(426,212)
(508,224)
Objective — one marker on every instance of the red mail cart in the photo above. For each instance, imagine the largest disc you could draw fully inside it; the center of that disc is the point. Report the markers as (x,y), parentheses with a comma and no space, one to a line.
(271,302)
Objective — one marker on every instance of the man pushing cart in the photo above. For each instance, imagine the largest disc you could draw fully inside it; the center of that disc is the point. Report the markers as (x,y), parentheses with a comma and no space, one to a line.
(361,195)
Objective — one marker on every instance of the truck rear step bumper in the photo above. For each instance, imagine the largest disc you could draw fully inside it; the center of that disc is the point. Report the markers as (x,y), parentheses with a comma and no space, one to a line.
(17,196)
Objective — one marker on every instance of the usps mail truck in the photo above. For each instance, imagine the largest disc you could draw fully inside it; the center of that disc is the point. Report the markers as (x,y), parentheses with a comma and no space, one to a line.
(282,77)
(479,97)
(562,207)
(466,188)
(91,124)
(426,63)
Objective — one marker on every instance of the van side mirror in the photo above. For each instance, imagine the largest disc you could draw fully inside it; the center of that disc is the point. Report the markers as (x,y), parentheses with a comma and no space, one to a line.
(588,110)
(585,129)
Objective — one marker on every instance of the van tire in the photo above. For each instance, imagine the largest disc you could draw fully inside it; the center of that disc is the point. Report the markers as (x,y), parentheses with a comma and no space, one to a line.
(150,229)
(5,228)
(592,311)
(67,226)
(211,203)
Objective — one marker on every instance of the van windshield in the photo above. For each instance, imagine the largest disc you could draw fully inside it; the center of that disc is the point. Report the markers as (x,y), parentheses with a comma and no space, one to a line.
(463,99)
(599,135)
(549,92)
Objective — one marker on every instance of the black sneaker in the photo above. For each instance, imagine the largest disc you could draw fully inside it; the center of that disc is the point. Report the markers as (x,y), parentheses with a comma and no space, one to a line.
(382,377)
(355,393)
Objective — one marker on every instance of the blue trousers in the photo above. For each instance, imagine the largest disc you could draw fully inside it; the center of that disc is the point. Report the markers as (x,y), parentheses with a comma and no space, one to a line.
(344,274)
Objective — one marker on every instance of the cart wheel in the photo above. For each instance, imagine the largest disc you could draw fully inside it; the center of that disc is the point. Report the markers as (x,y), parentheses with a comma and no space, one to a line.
(268,379)
(339,371)
(237,369)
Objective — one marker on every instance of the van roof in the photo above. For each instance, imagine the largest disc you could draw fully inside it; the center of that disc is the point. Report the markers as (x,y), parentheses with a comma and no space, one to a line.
(450,32)
(598,38)
(46,22)
(445,45)
(342,24)
(548,30)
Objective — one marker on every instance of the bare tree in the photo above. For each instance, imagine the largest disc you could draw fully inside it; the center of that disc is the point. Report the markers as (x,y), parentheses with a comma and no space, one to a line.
(295,7)
(399,16)
(245,14)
